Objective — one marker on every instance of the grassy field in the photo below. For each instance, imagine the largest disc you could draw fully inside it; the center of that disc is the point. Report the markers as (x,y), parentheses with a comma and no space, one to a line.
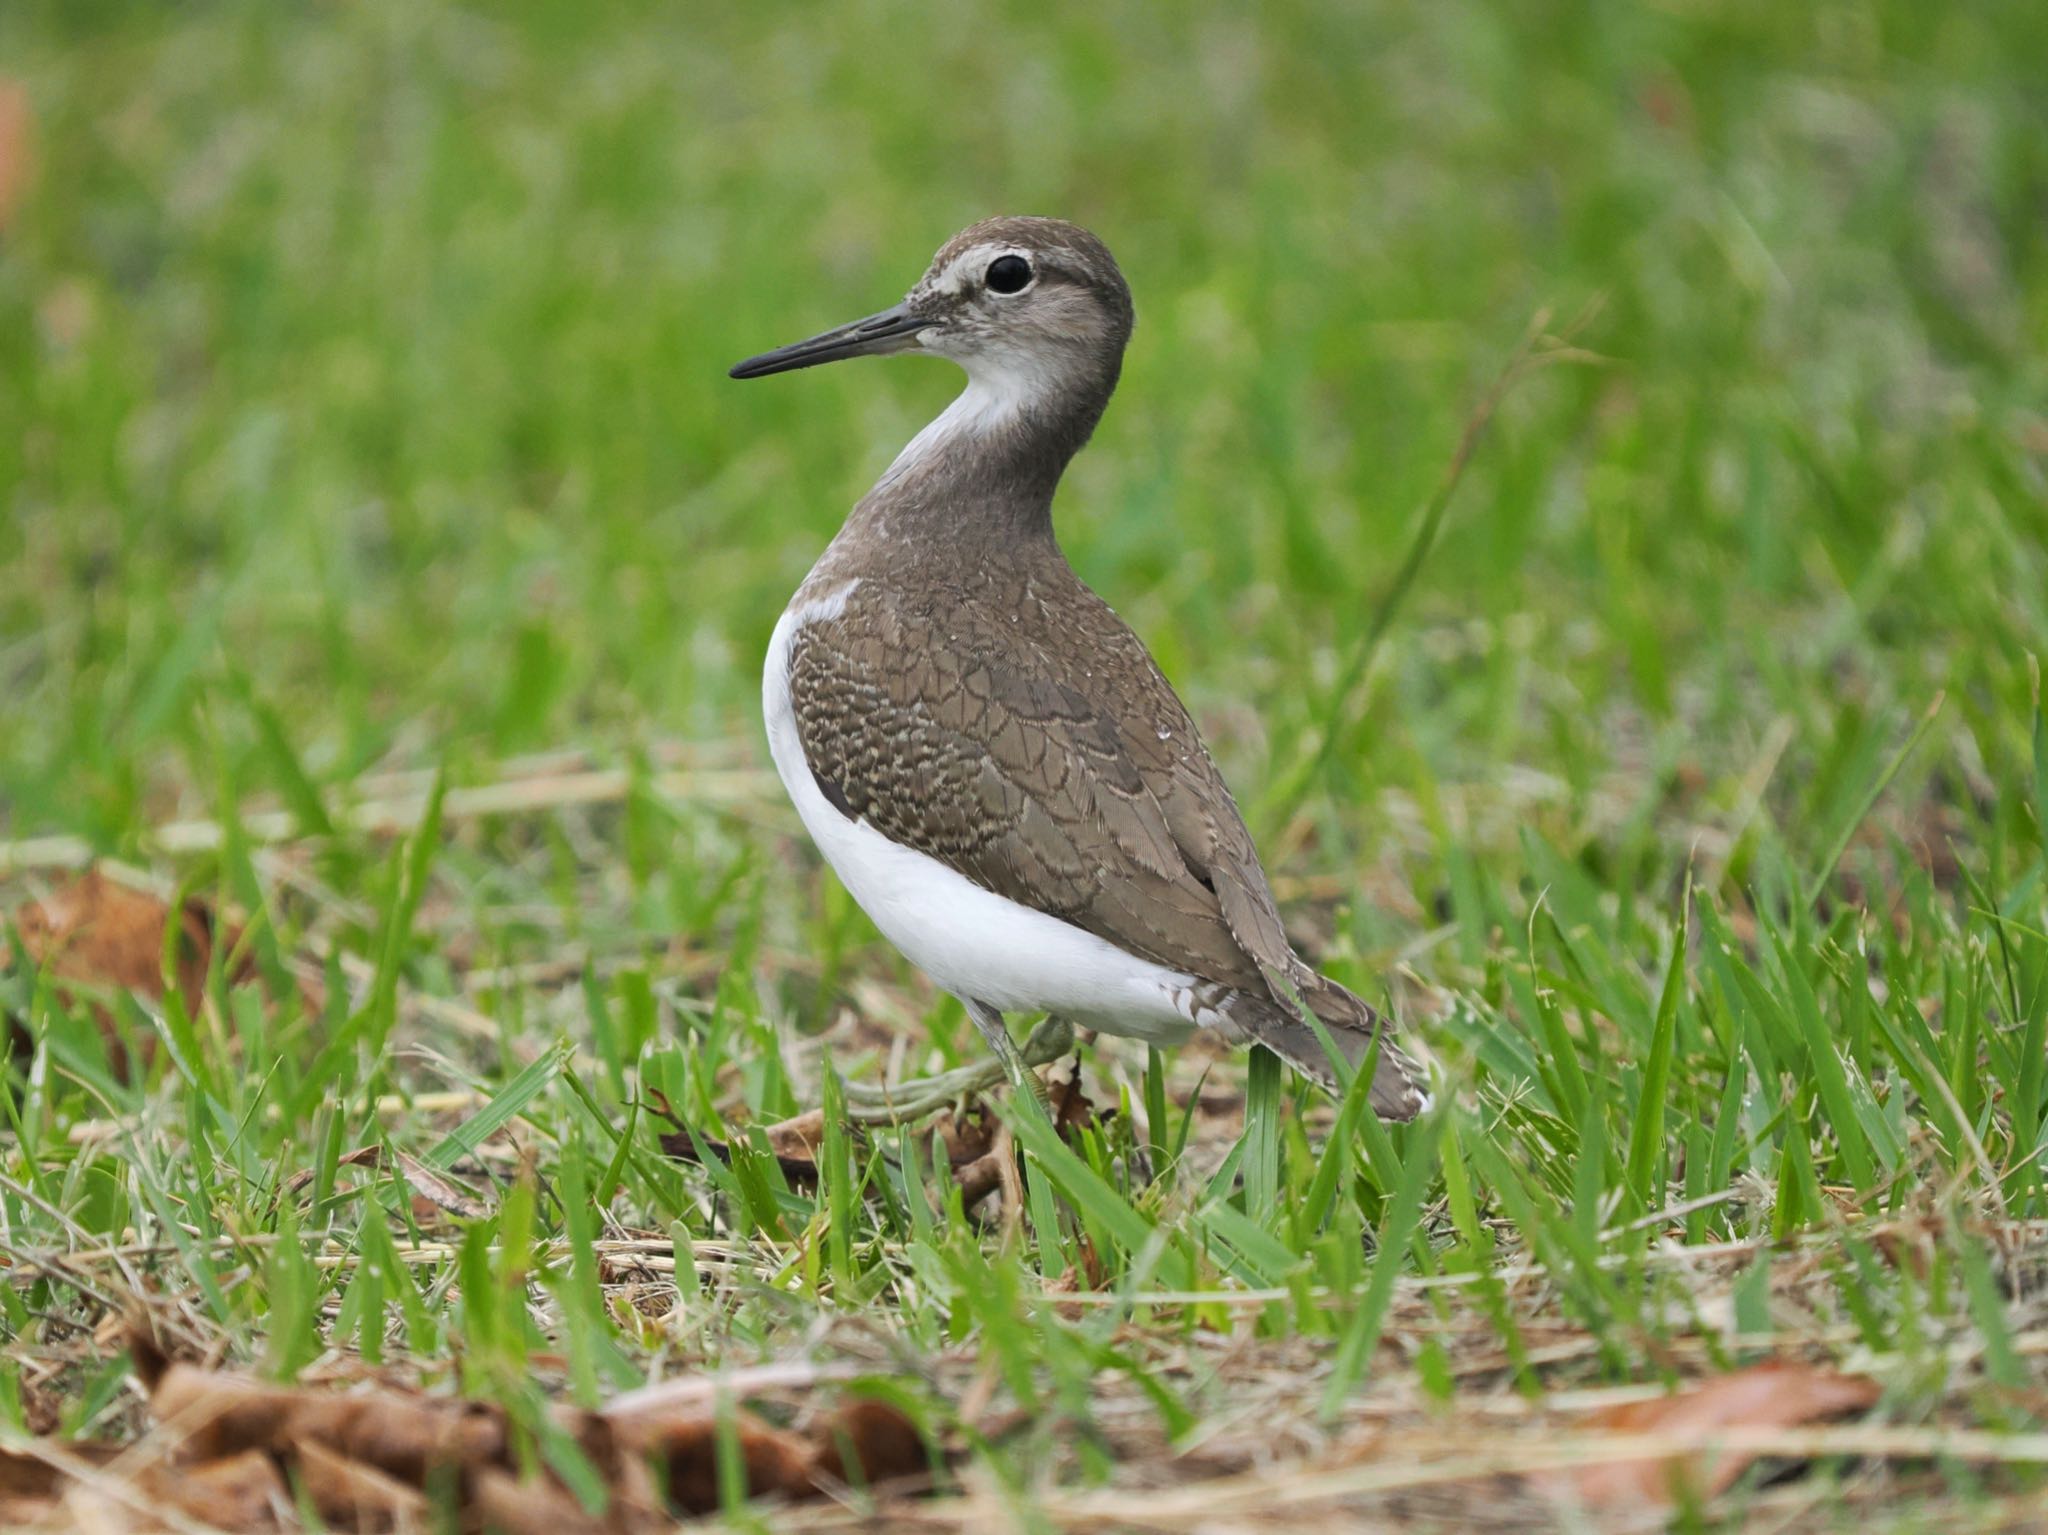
(386,560)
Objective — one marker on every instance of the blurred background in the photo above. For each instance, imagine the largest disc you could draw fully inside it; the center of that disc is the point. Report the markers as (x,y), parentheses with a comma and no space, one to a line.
(364,412)
(362,387)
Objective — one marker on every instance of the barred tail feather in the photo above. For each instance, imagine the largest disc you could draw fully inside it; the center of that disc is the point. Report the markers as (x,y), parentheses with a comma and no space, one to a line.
(1399,1089)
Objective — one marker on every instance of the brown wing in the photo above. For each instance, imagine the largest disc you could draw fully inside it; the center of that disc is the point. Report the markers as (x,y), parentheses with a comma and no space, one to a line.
(1085,793)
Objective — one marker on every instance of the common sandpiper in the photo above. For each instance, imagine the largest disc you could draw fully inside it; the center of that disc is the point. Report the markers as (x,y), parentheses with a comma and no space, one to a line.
(987,756)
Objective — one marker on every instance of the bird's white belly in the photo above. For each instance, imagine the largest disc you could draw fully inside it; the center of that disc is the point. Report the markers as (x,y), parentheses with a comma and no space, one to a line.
(973,942)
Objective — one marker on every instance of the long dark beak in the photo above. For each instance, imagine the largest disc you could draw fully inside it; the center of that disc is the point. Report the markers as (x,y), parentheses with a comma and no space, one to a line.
(885,332)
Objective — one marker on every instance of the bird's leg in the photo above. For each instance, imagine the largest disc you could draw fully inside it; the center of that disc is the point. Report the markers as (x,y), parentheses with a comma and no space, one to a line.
(1021,1076)
(912,1100)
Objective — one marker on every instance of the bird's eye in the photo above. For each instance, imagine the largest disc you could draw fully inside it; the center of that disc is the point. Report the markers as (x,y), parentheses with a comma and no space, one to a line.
(1009,274)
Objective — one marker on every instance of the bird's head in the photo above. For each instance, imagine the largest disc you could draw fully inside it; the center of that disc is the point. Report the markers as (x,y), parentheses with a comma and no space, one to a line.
(1032,308)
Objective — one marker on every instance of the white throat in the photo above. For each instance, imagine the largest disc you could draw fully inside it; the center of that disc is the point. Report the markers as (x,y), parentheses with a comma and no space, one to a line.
(1001,385)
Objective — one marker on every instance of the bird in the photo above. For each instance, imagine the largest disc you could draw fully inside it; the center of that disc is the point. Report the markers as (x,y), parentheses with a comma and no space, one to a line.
(986,755)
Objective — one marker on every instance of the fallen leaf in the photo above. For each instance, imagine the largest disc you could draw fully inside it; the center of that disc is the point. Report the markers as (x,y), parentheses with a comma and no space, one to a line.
(352,1496)
(100,931)
(1776,1394)
(32,1486)
(798,1138)
(364,1458)
(97,932)
(435,1190)
(239,1492)
(772,1460)
(681,1395)
(979,1152)
(794,1142)
(17,155)
(23,1476)
(1071,1110)
(408,1436)
(870,1442)
(512,1505)
(967,1138)
(982,1177)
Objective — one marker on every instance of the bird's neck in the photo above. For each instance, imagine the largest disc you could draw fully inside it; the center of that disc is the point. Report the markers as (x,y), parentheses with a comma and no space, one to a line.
(987,466)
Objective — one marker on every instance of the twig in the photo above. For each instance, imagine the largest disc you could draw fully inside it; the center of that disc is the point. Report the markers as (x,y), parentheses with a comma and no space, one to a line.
(397,816)
(1521,362)
(1205,1502)
(109,1484)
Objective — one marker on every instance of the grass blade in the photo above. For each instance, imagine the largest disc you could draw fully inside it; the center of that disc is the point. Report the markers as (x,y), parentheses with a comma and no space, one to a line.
(1404,1211)
(1646,1135)
(508,1101)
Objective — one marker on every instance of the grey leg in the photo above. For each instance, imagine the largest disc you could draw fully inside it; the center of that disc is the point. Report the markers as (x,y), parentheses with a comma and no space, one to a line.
(1022,1077)
(907,1102)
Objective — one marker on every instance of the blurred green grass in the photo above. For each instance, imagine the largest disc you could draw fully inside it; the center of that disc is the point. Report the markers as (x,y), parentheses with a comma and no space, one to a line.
(362,407)
(379,349)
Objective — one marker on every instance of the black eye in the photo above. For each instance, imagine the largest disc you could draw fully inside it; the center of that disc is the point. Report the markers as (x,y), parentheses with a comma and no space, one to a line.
(1009,274)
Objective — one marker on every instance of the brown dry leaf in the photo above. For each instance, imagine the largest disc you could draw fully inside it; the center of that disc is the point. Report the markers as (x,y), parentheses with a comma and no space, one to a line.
(362,1156)
(1071,1110)
(399,1433)
(966,1139)
(870,1442)
(799,1138)
(980,1178)
(432,1189)
(979,1150)
(237,1492)
(509,1505)
(1775,1394)
(865,1441)
(17,153)
(774,1460)
(352,1496)
(101,932)
(363,1458)
(795,1142)
(23,1476)
(1072,1281)
(981,1158)
(31,1488)
(98,932)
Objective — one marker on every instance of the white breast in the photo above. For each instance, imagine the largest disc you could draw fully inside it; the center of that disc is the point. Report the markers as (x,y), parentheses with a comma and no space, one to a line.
(971,941)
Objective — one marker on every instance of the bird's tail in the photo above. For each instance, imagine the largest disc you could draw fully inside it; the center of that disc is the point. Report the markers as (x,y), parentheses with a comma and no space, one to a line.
(1399,1089)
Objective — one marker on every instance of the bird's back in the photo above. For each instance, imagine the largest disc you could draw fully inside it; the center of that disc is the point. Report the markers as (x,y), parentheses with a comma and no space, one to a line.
(1032,744)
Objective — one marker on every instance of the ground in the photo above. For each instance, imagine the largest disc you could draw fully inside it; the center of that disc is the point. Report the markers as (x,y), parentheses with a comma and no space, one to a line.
(1586,467)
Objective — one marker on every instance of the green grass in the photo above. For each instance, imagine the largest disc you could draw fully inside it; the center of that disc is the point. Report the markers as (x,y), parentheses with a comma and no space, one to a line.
(363,412)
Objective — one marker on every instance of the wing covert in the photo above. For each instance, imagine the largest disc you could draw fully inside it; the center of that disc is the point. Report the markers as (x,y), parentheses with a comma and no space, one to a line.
(1015,778)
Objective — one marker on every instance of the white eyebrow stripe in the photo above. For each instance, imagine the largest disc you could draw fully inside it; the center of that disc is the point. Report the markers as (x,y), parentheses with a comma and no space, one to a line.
(970,264)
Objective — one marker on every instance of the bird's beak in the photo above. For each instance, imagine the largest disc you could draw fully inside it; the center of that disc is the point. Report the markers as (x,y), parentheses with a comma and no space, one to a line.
(893,330)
